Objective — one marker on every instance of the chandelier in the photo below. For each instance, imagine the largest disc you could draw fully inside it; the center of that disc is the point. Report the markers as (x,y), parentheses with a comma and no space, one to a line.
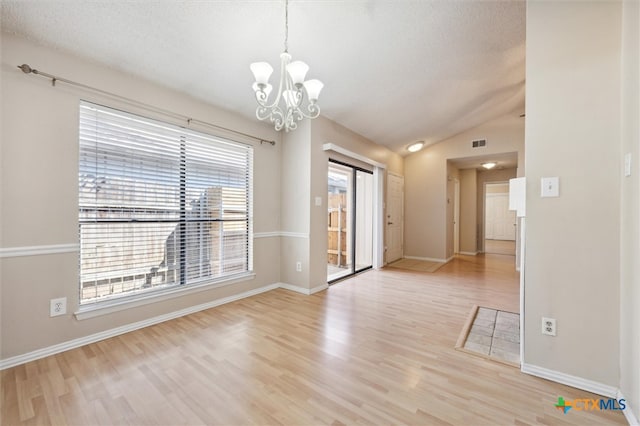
(287,106)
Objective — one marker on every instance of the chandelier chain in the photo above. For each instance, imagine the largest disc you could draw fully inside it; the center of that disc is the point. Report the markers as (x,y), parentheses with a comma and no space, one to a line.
(286,25)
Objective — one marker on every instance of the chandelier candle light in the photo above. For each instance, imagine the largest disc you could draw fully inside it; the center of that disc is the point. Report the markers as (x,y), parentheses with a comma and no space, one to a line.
(287,107)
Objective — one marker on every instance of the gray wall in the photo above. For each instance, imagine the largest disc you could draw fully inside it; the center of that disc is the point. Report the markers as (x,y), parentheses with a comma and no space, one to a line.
(468,210)
(427,219)
(630,223)
(304,171)
(572,269)
(39,189)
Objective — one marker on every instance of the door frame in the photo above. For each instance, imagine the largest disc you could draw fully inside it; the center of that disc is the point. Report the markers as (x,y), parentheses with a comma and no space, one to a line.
(351,245)
(456,216)
(384,218)
(484,210)
(378,217)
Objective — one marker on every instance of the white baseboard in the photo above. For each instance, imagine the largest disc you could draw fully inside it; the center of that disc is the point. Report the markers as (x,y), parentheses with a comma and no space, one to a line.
(468,253)
(628,413)
(92,338)
(303,290)
(429,259)
(318,289)
(569,380)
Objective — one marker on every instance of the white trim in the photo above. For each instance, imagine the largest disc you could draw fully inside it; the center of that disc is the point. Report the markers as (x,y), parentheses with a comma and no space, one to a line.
(274,234)
(294,234)
(340,150)
(378,218)
(628,412)
(429,259)
(520,269)
(267,234)
(468,253)
(302,290)
(318,289)
(38,250)
(92,338)
(75,343)
(109,307)
(569,380)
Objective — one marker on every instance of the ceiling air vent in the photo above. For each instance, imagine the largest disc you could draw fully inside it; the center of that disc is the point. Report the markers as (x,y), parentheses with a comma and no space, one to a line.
(478,143)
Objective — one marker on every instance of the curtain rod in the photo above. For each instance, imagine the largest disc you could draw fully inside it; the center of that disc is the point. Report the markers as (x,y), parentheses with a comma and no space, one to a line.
(28,70)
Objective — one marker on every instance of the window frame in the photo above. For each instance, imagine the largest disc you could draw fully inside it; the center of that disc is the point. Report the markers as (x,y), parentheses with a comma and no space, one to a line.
(183,285)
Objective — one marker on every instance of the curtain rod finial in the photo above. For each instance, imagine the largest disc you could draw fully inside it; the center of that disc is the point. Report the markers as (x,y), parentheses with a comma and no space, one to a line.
(26,68)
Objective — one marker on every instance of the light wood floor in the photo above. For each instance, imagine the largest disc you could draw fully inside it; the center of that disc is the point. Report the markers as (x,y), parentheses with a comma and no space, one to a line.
(500,247)
(374,349)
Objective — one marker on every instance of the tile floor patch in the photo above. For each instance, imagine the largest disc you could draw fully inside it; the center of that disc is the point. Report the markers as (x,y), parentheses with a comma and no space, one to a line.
(475,347)
(479,339)
(495,334)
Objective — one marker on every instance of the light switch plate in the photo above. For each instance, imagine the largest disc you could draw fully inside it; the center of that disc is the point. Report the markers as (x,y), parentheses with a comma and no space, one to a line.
(318,201)
(550,187)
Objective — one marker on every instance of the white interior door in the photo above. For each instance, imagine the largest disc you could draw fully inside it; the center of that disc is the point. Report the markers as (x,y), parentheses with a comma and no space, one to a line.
(500,221)
(394,223)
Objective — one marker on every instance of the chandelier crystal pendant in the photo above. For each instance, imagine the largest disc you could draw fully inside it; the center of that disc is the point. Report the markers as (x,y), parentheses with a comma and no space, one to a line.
(287,107)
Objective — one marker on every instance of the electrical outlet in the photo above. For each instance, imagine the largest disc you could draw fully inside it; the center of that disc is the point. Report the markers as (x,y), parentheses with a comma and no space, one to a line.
(58,307)
(298,266)
(549,326)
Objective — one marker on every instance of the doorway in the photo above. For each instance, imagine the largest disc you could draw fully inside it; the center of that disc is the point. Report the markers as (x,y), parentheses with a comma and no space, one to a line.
(395,218)
(456,216)
(350,220)
(499,221)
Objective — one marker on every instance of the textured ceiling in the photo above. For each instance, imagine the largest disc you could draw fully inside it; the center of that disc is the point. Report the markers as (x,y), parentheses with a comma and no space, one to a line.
(394,71)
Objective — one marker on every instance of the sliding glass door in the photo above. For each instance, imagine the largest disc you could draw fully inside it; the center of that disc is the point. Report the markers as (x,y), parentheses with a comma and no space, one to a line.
(350,220)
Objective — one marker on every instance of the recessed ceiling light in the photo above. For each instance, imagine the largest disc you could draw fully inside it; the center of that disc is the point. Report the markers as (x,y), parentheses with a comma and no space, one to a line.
(415,147)
(489,165)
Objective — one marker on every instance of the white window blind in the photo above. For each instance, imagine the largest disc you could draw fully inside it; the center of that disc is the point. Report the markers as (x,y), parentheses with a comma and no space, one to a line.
(159,205)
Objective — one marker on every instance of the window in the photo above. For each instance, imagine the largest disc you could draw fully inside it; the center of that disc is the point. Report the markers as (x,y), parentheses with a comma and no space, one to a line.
(160,206)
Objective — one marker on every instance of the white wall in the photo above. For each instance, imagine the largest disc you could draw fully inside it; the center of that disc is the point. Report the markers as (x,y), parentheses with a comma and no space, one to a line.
(630,220)
(573,241)
(39,187)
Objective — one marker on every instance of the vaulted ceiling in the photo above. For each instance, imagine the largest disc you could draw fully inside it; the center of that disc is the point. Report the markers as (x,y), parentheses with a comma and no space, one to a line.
(394,71)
